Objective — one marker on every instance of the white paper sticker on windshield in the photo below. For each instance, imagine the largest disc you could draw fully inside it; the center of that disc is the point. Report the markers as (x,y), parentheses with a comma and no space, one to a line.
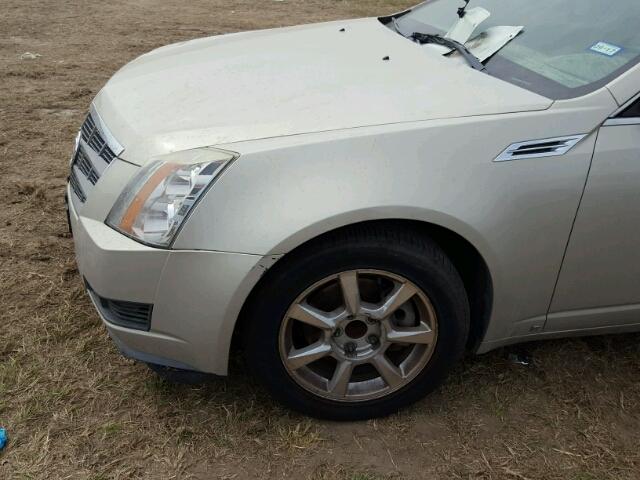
(605,48)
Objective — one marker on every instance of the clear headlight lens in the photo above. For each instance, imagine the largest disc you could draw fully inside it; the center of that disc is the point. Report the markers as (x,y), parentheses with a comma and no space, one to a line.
(157,200)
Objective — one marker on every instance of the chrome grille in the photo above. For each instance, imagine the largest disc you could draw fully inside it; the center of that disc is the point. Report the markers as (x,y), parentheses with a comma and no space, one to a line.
(92,136)
(81,160)
(75,186)
(95,150)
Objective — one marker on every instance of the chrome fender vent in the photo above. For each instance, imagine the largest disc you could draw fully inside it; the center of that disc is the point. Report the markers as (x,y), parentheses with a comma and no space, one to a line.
(548,147)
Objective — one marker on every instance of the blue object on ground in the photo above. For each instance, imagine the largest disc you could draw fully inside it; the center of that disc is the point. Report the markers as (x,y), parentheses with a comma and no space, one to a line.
(3,438)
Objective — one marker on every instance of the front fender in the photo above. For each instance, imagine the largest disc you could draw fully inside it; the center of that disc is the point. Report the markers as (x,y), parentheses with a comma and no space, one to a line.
(285,191)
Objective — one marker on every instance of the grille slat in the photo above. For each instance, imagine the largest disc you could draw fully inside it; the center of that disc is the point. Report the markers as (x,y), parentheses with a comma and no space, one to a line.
(94,139)
(75,186)
(84,164)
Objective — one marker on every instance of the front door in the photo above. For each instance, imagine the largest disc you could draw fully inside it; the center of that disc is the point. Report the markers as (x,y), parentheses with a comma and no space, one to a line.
(599,283)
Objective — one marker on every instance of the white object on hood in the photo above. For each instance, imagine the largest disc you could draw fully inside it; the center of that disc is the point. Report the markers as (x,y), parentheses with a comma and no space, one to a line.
(492,40)
(462,30)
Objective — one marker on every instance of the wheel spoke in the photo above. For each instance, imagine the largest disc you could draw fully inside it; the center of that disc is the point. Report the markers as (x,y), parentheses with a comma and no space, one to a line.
(420,334)
(387,370)
(312,316)
(339,383)
(304,356)
(350,291)
(395,300)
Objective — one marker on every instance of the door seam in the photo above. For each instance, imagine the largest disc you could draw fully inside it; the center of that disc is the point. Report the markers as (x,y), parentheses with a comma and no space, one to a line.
(573,224)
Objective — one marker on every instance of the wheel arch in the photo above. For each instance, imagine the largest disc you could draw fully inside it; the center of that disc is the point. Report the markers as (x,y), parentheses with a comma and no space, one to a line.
(466,257)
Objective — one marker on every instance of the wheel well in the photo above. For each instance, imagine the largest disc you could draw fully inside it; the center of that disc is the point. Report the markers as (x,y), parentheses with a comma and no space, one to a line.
(470,265)
(474,273)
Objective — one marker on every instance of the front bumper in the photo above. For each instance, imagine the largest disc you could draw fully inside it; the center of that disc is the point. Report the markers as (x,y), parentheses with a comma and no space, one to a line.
(196,295)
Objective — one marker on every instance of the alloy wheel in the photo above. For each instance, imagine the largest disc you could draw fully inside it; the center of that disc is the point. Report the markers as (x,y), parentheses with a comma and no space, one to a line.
(358,335)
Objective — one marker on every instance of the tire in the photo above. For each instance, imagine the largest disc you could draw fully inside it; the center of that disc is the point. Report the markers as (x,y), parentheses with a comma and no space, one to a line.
(378,257)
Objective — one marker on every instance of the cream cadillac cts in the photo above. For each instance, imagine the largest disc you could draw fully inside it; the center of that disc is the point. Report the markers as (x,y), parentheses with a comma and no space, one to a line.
(358,203)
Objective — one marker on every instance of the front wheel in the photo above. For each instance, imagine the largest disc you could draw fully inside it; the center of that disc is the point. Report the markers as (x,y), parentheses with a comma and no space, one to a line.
(358,324)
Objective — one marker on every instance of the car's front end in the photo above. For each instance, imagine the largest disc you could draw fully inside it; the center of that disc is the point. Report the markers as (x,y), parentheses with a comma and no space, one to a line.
(160,305)
(163,132)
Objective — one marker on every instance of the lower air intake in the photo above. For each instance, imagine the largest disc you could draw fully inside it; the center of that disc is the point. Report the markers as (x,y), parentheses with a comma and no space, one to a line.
(132,315)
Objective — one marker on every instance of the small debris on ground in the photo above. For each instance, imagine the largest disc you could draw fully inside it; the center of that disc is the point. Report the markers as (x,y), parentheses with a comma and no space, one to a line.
(519,358)
(3,438)
(29,56)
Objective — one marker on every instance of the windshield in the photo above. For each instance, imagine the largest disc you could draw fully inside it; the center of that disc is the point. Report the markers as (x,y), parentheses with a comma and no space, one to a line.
(568,47)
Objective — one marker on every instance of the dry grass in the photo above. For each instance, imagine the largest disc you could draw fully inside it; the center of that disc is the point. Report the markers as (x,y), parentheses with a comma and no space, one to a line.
(74,408)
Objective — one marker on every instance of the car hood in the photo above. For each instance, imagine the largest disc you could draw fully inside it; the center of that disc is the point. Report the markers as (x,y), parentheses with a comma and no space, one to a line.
(289,81)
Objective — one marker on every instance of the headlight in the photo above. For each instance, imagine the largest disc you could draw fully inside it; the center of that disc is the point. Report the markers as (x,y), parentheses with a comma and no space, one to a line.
(159,198)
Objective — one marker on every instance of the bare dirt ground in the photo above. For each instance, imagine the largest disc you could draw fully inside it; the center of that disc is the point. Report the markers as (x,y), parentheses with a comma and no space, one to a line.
(74,408)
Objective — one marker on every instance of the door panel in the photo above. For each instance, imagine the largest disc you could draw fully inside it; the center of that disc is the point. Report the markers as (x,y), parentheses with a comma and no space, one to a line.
(599,283)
